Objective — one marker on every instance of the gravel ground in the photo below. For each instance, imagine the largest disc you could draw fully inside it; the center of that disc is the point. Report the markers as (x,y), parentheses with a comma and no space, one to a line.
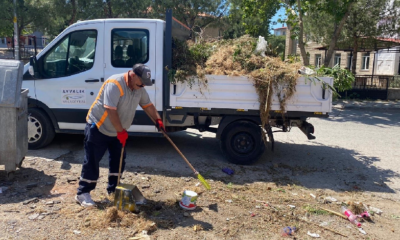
(354,158)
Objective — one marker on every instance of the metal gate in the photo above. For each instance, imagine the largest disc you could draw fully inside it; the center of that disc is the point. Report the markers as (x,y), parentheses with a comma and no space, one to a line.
(369,87)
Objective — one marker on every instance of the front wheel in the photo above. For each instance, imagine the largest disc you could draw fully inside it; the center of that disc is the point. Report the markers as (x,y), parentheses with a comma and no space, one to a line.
(40,129)
(241,142)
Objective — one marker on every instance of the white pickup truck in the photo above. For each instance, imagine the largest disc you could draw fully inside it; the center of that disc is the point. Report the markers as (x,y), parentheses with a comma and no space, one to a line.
(64,80)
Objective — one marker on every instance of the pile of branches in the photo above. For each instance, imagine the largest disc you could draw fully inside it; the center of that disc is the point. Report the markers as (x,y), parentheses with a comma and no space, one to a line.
(237,57)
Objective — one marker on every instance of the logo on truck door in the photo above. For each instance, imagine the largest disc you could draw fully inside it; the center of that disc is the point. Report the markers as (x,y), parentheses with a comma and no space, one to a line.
(73,96)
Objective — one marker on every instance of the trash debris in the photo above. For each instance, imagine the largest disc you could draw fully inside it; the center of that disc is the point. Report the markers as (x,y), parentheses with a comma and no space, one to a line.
(197,184)
(323,224)
(33,216)
(228,201)
(253,215)
(261,46)
(30,201)
(197,227)
(288,231)
(228,171)
(351,216)
(312,195)
(375,210)
(330,199)
(258,206)
(292,206)
(77,232)
(314,235)
(362,231)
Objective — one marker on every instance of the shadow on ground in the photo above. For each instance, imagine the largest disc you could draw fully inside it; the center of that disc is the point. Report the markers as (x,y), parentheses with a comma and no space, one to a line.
(374,117)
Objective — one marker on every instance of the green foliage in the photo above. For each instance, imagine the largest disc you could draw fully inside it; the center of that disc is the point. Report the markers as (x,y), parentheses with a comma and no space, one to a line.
(257,16)
(315,210)
(342,78)
(278,43)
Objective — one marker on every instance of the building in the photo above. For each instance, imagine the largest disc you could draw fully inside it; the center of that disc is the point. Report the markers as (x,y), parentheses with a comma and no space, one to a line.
(280,31)
(387,61)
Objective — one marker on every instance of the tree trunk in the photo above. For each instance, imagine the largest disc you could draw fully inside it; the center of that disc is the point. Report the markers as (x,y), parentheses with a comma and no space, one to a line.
(336,35)
(108,10)
(301,37)
(73,15)
(355,52)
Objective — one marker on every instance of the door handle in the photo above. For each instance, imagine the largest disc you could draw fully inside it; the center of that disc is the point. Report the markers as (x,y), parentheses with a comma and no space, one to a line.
(92,80)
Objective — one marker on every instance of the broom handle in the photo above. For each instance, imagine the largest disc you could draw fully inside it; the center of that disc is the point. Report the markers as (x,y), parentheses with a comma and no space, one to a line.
(176,148)
(120,165)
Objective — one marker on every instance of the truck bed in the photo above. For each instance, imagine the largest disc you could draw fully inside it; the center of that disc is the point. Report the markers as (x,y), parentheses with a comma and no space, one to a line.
(239,93)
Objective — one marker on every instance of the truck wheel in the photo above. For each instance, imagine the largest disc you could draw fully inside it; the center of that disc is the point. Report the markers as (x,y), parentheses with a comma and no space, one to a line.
(241,142)
(40,129)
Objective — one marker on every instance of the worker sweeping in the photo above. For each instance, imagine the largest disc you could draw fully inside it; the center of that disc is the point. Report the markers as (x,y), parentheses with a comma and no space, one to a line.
(108,118)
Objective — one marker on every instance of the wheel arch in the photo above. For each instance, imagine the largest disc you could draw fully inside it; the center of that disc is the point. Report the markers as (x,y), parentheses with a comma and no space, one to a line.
(33,103)
(227,120)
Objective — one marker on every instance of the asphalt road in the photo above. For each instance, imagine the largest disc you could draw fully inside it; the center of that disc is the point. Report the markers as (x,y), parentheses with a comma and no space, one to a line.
(355,150)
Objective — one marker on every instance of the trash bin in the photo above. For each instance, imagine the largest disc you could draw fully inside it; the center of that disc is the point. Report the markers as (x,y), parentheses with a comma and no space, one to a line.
(13,116)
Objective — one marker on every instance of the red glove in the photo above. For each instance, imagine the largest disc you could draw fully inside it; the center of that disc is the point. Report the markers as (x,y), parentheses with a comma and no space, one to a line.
(122,136)
(160,125)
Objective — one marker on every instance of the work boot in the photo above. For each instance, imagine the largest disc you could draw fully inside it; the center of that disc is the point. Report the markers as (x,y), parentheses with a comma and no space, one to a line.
(85,200)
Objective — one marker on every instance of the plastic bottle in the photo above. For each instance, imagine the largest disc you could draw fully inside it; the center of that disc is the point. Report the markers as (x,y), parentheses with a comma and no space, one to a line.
(288,231)
(351,216)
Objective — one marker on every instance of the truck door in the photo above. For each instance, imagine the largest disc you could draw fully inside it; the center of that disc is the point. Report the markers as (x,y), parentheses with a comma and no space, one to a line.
(128,43)
(72,73)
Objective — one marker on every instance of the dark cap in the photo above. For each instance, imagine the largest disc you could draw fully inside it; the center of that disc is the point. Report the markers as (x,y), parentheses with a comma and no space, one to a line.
(143,72)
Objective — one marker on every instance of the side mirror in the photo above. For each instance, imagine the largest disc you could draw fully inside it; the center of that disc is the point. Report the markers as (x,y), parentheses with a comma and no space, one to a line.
(32,67)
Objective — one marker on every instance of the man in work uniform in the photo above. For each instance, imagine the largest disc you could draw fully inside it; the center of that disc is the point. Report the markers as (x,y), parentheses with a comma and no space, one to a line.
(108,118)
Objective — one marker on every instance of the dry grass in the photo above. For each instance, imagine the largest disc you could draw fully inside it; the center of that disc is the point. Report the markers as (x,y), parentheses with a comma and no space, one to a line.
(270,74)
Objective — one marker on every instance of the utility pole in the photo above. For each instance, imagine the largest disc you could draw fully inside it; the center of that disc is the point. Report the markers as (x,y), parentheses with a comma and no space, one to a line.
(16,35)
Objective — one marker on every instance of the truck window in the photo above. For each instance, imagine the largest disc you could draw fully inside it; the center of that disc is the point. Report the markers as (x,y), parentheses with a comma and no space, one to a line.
(73,54)
(129,46)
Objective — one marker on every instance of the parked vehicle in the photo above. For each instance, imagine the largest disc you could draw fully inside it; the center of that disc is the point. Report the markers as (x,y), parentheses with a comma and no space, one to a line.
(67,75)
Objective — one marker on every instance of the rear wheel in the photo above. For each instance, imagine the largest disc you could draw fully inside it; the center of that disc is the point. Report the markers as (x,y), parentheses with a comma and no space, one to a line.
(241,142)
(40,129)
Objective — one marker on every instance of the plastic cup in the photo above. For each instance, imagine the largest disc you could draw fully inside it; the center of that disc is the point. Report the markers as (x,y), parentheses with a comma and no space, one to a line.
(188,201)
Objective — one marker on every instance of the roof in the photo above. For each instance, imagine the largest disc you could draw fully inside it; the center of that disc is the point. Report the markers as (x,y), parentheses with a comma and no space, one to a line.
(366,44)
(280,28)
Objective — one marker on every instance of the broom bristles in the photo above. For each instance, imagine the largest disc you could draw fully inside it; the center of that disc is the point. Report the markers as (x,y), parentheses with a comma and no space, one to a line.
(203,181)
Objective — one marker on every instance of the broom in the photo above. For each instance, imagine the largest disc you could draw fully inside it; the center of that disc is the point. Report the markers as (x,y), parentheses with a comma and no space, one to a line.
(201,179)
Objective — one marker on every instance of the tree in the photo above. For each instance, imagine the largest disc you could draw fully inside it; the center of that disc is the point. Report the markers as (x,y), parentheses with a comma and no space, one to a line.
(278,43)
(366,22)
(196,14)
(257,15)
(337,10)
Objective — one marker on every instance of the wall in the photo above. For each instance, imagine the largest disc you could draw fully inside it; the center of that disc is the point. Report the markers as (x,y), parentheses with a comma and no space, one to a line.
(393,93)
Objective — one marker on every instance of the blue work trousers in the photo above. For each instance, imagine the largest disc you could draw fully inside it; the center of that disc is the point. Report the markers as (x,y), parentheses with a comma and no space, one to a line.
(96,145)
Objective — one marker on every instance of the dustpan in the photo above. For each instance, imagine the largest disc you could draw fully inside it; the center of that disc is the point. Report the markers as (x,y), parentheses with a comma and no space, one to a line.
(127,196)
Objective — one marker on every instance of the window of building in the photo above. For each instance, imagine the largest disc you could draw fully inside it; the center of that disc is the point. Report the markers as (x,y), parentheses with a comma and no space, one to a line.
(284,33)
(73,54)
(3,40)
(129,46)
(338,58)
(349,61)
(365,61)
(318,60)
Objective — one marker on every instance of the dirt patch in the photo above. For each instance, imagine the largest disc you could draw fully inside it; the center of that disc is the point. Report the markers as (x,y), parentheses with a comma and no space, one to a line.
(258,210)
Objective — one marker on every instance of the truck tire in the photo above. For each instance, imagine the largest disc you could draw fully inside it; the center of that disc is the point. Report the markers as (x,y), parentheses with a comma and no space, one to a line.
(241,142)
(40,129)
